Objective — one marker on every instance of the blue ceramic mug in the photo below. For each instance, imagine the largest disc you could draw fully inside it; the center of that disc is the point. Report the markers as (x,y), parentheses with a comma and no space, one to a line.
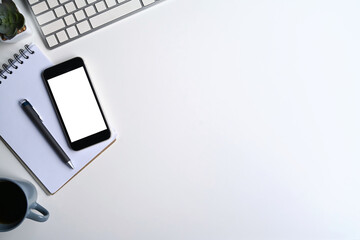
(17,200)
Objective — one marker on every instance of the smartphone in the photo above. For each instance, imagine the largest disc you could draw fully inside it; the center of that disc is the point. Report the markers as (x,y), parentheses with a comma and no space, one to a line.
(76,104)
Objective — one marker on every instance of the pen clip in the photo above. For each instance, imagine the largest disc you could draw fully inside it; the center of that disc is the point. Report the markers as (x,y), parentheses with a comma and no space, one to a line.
(37,113)
(25,102)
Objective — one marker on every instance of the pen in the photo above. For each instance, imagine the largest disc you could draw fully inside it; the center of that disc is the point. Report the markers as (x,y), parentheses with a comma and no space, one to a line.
(35,118)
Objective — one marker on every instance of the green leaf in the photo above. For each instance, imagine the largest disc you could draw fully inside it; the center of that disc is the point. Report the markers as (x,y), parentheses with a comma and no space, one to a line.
(11,20)
(10,4)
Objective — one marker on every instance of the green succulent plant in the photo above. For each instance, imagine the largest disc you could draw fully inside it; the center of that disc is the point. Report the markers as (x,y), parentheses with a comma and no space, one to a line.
(11,20)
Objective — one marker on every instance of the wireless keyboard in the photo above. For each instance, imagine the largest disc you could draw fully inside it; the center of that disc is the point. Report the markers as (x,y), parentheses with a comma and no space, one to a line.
(62,21)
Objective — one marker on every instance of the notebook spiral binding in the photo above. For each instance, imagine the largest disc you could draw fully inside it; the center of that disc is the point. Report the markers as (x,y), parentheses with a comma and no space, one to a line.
(7,69)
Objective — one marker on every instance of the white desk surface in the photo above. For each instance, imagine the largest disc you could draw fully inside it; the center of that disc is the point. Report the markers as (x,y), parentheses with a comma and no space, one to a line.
(236,120)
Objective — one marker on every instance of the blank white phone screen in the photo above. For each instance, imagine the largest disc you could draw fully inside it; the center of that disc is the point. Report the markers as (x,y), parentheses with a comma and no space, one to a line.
(77,104)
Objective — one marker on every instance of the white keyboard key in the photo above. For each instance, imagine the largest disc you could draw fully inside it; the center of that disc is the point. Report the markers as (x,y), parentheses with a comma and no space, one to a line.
(46,17)
(147,2)
(90,11)
(70,7)
(72,32)
(33,1)
(83,27)
(53,27)
(62,21)
(80,15)
(110,3)
(60,11)
(51,40)
(52,3)
(115,13)
(69,19)
(39,8)
(62,36)
(80,3)
(100,6)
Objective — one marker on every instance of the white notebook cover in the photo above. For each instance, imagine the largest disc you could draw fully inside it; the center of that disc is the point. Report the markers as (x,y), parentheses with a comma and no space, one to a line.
(24,139)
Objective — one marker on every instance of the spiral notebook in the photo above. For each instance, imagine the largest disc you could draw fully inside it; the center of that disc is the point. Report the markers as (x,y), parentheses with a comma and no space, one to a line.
(21,78)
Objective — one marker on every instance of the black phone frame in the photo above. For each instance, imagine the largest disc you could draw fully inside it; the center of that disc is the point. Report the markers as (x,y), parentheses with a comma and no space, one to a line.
(60,69)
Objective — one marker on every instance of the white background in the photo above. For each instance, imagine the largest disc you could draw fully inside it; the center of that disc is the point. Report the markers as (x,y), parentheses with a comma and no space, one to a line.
(236,120)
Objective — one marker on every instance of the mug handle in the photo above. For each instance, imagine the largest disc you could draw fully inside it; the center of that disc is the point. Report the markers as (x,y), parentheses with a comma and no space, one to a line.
(38,217)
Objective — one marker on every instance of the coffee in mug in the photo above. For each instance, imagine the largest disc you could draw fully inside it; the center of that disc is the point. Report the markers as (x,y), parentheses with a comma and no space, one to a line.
(17,199)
